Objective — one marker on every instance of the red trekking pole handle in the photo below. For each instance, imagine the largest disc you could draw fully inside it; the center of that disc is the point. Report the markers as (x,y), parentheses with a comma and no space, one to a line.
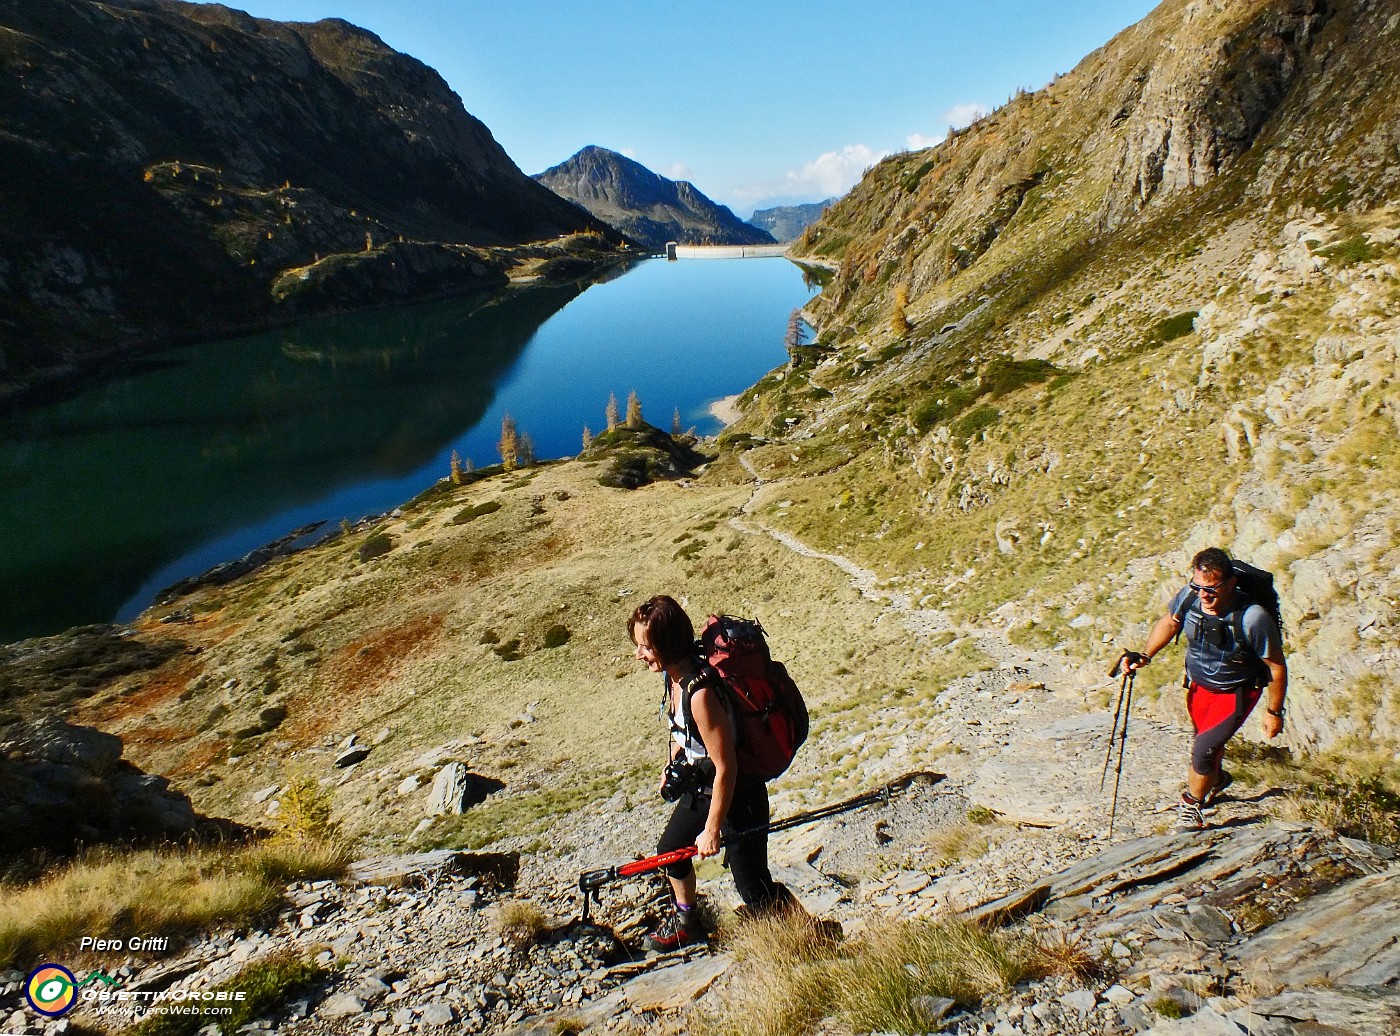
(655,863)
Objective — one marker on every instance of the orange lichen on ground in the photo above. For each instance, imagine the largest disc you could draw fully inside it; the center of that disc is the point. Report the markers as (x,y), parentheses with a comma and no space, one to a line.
(161,688)
(199,758)
(354,674)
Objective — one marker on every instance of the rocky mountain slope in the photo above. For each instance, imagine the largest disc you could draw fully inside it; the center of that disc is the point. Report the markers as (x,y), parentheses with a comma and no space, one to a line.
(645,206)
(1146,309)
(787,222)
(163,164)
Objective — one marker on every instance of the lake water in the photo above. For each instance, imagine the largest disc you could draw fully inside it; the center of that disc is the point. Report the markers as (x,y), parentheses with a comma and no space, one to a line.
(208,452)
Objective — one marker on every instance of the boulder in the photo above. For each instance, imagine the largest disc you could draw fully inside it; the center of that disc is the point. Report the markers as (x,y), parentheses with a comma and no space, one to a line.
(66,786)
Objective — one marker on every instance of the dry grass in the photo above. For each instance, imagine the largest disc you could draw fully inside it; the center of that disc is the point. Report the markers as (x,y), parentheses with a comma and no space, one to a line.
(266,983)
(520,922)
(787,982)
(172,892)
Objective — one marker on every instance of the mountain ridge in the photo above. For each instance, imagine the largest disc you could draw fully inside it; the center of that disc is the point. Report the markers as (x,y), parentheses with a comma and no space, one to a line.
(198,152)
(645,205)
(787,222)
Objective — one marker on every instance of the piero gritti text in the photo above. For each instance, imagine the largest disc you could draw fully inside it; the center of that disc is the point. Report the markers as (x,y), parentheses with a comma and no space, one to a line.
(135,944)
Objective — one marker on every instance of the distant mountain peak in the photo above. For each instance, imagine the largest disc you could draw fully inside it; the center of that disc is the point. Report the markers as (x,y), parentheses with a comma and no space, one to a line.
(645,205)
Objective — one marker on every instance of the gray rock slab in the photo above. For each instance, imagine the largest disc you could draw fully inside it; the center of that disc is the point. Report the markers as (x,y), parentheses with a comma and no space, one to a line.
(352,755)
(670,989)
(341,1005)
(1346,937)
(1363,1012)
(438,1013)
(449,794)
(1205,1022)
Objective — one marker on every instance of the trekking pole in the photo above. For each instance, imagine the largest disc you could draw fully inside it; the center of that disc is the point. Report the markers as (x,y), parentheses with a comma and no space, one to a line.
(1125,706)
(591,882)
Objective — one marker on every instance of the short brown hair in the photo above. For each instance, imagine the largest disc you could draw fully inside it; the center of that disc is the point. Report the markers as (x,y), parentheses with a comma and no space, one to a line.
(1214,560)
(668,627)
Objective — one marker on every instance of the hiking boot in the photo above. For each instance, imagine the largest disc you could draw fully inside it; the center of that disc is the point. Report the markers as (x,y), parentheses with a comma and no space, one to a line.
(1188,816)
(1222,781)
(676,930)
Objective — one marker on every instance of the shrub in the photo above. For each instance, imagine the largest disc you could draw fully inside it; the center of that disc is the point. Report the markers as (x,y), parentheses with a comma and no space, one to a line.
(468,514)
(376,546)
(975,421)
(1175,327)
(520,922)
(306,810)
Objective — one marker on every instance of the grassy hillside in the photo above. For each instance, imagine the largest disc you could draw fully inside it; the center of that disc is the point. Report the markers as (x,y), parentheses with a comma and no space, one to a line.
(1062,361)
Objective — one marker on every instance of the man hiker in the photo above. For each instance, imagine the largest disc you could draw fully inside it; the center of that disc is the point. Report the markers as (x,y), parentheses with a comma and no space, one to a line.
(1234,655)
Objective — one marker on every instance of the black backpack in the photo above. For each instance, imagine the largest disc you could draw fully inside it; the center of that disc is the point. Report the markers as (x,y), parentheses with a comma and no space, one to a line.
(1253,583)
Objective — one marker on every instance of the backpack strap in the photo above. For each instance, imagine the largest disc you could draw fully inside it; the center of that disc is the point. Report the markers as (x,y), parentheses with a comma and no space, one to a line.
(1191,599)
(705,676)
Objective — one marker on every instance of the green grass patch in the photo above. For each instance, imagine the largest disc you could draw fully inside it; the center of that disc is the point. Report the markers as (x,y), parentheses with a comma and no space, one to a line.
(375,547)
(1349,252)
(1174,327)
(975,421)
(266,984)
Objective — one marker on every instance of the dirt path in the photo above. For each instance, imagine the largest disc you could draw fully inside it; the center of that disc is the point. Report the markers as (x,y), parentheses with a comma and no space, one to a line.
(1029,738)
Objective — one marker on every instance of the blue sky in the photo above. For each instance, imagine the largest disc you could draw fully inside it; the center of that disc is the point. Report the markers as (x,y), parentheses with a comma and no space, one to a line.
(758,102)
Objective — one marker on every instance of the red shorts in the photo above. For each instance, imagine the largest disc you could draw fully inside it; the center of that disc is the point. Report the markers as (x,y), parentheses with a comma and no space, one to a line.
(1215,718)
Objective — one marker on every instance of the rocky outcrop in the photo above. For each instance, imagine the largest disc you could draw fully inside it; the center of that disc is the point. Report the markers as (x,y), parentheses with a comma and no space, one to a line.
(162,163)
(66,787)
(646,207)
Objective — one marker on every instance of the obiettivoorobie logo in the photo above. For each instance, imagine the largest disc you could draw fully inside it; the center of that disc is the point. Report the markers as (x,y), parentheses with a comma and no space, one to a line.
(52,989)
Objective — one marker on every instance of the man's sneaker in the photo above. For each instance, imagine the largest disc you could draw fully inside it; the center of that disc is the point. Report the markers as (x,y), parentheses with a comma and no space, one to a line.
(676,930)
(1222,781)
(1188,816)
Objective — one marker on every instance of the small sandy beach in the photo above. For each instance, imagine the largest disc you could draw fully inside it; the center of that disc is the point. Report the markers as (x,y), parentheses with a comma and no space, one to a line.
(726,410)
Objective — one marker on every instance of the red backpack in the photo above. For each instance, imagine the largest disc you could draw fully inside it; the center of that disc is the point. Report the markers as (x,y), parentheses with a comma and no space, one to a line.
(770,716)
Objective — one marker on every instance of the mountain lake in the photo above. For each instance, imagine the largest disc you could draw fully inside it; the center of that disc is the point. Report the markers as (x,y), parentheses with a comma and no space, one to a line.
(198,455)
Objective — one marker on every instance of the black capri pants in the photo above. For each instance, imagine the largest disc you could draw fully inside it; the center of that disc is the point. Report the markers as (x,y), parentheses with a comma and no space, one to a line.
(747,858)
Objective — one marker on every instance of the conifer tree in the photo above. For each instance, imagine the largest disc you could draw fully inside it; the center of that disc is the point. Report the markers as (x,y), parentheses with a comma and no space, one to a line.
(509,446)
(676,422)
(457,472)
(899,321)
(634,410)
(527,451)
(587,437)
(611,411)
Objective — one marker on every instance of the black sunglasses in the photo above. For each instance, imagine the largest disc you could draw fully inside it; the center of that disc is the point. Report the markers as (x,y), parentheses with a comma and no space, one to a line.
(1209,591)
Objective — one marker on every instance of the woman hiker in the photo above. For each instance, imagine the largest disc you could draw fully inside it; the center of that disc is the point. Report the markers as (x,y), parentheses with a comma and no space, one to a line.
(714,798)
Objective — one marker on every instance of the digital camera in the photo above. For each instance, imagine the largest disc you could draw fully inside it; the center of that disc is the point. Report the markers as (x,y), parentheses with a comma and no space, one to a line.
(680,777)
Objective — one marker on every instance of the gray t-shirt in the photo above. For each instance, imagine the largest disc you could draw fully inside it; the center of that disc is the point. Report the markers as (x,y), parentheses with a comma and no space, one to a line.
(1213,659)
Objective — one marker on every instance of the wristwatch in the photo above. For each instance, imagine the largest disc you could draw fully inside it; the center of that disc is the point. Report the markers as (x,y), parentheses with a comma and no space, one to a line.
(1276,712)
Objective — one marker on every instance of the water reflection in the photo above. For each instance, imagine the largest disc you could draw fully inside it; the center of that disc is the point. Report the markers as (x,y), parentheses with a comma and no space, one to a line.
(103,488)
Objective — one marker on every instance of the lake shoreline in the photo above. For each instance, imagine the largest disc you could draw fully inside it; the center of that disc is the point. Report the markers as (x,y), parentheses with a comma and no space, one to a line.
(726,410)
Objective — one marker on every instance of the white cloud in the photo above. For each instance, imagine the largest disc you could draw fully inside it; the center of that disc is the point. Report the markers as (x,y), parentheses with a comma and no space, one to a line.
(956,117)
(830,174)
(676,171)
(960,115)
(627,152)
